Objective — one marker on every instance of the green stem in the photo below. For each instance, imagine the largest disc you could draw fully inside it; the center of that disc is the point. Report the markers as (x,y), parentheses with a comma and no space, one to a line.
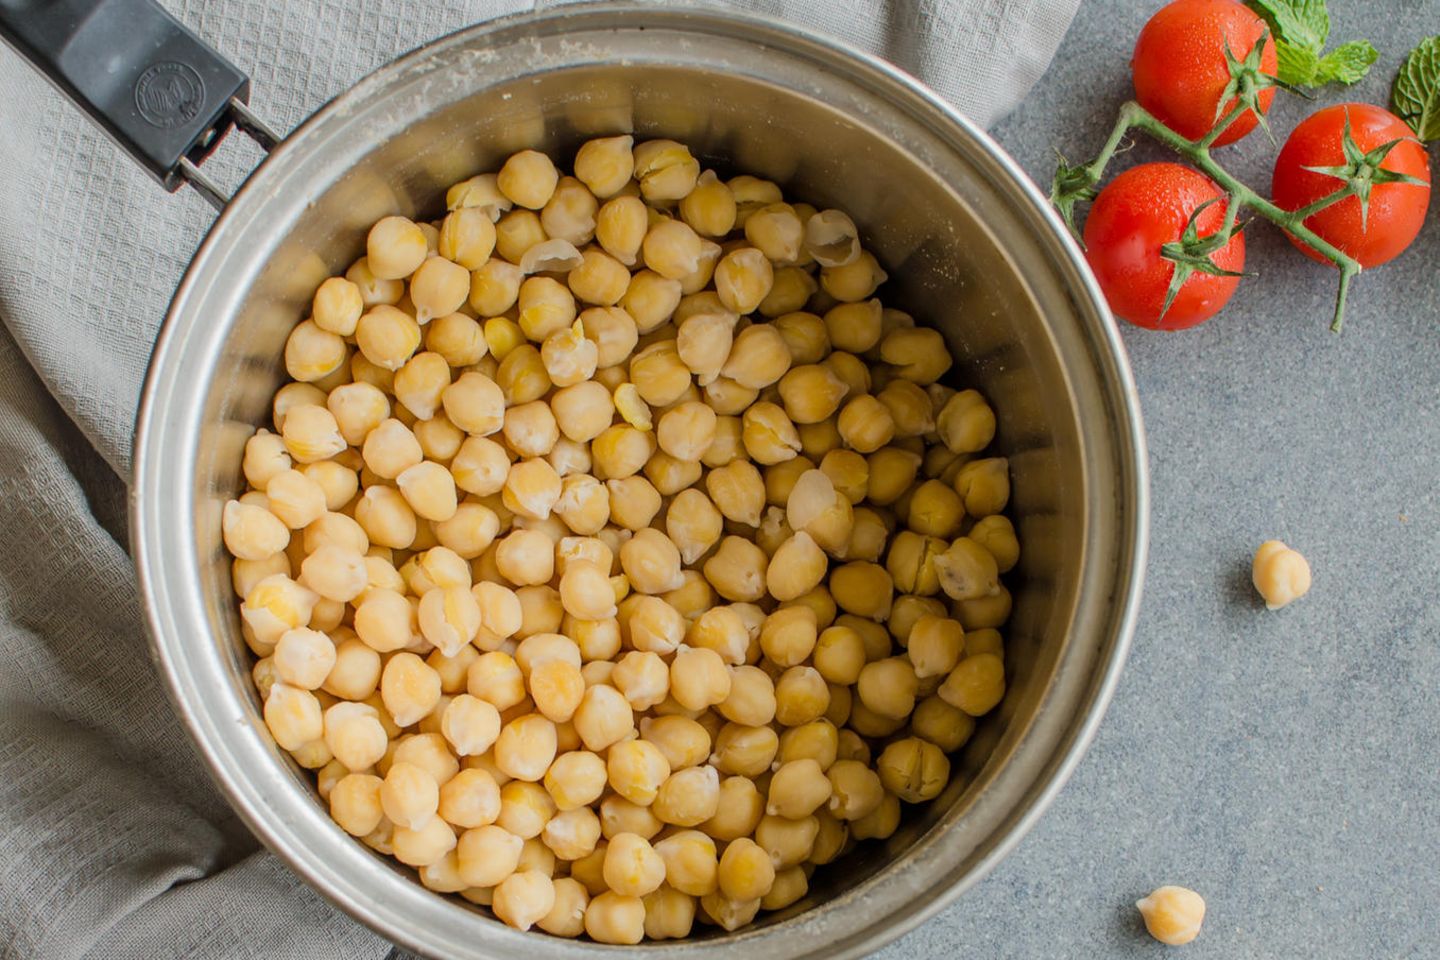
(1135,117)
(1309,210)
(1205,142)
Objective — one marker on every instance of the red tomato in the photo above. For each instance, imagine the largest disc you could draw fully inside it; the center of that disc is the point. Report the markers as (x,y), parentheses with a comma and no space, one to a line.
(1180,70)
(1134,216)
(1397,210)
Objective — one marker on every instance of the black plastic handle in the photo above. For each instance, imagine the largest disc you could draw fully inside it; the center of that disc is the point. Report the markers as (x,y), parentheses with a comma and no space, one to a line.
(163,94)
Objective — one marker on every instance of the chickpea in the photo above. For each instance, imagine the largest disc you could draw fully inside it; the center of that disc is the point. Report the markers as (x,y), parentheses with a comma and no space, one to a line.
(984,485)
(880,822)
(424,846)
(854,281)
(655,626)
(966,423)
(487,855)
(469,799)
(698,678)
(976,685)
(729,914)
(524,898)
(737,570)
(572,834)
(355,803)
(438,288)
(688,797)
(651,561)
(967,571)
(723,630)
(528,179)
(605,164)
(1173,915)
(665,169)
(818,740)
(682,741)
(394,248)
(915,770)
(888,687)
(801,695)
(1281,576)
(797,789)
(604,717)
(787,842)
(745,750)
(788,635)
(611,917)
(636,770)
(620,227)
(525,808)
(941,724)
(685,431)
(496,679)
(997,535)
(768,434)
(567,916)
(738,490)
(935,645)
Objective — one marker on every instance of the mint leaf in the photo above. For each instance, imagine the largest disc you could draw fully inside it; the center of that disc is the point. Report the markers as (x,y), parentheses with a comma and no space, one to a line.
(1301,28)
(1347,63)
(1296,66)
(1302,23)
(1416,93)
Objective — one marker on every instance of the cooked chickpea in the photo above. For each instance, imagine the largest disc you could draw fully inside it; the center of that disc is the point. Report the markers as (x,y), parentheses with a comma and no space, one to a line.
(611,917)
(688,797)
(710,207)
(797,789)
(966,423)
(788,636)
(569,214)
(967,571)
(943,725)
(528,179)
(801,695)
(855,280)
(976,685)
(1280,575)
(914,770)
(997,535)
(487,855)
(698,678)
(984,485)
(1173,915)
(355,803)
(685,431)
(395,247)
(737,570)
(620,227)
(768,434)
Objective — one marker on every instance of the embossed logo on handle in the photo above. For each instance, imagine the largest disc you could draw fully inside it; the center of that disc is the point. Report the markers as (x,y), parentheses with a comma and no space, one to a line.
(169,94)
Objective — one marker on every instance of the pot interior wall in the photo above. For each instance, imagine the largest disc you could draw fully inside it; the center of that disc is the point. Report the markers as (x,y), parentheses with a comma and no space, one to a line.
(927,213)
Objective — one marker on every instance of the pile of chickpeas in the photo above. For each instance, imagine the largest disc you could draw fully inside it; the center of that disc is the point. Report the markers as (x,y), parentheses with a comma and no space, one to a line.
(617,559)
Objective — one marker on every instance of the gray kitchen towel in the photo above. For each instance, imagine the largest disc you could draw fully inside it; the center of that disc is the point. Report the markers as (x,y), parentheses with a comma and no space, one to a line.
(113,842)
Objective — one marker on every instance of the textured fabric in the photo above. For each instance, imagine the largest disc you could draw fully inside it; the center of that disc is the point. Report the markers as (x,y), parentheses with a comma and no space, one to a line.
(113,842)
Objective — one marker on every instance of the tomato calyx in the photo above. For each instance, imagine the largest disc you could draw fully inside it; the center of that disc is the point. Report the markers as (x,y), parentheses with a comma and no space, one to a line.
(1246,82)
(1072,184)
(1193,253)
(1360,172)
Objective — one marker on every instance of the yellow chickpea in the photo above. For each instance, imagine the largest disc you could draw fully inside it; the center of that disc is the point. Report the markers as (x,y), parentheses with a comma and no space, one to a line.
(913,769)
(1173,915)
(1280,575)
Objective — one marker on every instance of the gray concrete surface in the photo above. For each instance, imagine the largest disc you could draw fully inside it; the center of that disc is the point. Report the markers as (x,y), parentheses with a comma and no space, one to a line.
(1283,764)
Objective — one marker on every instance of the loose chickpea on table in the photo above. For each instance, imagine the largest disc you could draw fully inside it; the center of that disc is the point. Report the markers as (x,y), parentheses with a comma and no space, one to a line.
(617,559)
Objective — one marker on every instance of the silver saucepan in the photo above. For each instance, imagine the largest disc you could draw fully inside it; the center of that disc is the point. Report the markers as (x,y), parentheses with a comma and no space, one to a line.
(971,248)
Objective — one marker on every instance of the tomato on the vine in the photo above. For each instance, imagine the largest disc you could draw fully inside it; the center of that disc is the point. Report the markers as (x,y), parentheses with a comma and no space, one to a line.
(1181,71)
(1396,210)
(1139,213)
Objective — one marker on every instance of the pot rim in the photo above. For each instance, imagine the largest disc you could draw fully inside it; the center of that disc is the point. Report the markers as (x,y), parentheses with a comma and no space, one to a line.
(155,532)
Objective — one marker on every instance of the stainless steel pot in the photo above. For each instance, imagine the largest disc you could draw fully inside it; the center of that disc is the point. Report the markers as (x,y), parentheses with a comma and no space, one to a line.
(971,247)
